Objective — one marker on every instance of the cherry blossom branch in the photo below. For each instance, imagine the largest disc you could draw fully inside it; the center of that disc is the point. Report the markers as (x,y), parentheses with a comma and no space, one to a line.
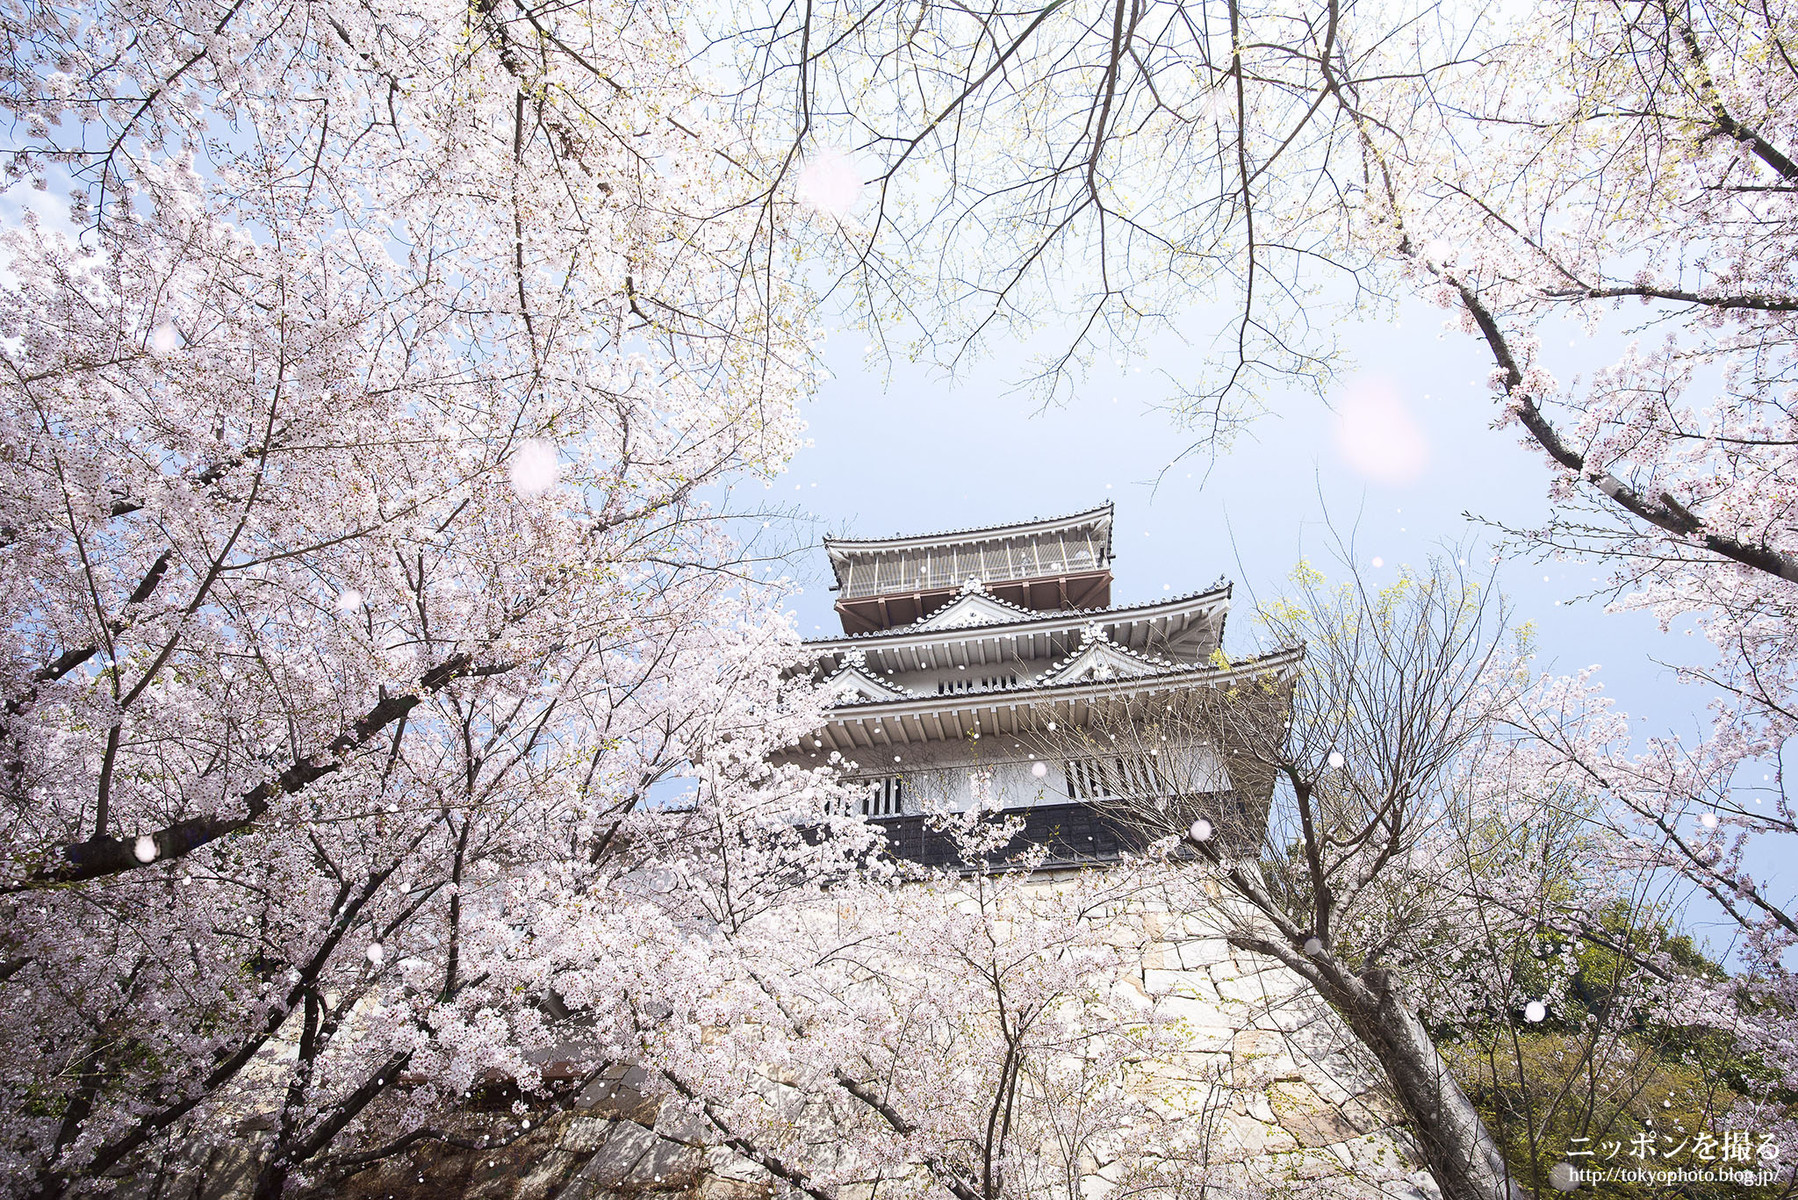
(343,1166)
(767,1160)
(1748,301)
(103,855)
(1724,120)
(1668,514)
(945,1174)
(352,900)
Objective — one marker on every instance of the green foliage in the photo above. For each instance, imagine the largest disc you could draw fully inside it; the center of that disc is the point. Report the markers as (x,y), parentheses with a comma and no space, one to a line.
(1541,1091)
(1605,1071)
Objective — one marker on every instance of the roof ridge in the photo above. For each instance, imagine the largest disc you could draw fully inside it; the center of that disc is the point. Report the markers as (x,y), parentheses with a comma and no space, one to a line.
(859,667)
(963,595)
(1107,509)
(1087,643)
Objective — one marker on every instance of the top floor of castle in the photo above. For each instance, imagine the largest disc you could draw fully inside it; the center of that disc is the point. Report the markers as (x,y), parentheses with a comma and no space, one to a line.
(1061,563)
(1003,608)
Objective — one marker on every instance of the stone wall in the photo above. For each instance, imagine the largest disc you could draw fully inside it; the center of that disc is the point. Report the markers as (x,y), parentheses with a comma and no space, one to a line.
(1293,1105)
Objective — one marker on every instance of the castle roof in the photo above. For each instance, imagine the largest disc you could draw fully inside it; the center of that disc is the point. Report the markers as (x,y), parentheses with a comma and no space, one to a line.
(887,726)
(1181,626)
(1097,519)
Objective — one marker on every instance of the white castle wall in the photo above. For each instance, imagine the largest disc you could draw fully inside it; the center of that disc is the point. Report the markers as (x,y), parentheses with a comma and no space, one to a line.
(957,778)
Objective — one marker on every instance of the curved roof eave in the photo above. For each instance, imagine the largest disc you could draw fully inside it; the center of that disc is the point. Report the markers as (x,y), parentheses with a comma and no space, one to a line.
(1198,673)
(1209,598)
(1092,516)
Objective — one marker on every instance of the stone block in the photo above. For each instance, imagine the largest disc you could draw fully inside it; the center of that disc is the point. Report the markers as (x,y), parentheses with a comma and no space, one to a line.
(1317,1129)
(1305,1165)
(1380,1107)
(584,1185)
(1259,1107)
(620,1093)
(585,1134)
(1247,988)
(677,1124)
(1165,983)
(635,1157)
(231,1171)
(1295,1096)
(1203,952)
(671,1165)
(1254,1138)
(544,1177)
(1200,1030)
(1252,1044)
(723,1163)
(715,1188)
(495,1175)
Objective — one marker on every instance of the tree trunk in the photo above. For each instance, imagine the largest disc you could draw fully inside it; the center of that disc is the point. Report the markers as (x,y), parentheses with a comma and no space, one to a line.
(1457,1148)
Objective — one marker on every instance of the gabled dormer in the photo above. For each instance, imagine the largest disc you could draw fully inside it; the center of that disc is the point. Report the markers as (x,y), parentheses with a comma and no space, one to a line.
(1101,659)
(972,607)
(853,683)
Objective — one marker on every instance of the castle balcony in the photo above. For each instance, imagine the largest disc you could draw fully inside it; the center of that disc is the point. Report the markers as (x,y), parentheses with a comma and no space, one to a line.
(1055,564)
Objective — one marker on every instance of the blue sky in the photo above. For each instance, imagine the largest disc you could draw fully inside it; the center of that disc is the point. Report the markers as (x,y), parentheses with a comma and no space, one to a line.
(913,451)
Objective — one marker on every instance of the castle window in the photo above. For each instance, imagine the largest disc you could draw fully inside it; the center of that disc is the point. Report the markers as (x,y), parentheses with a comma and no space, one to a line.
(1122,776)
(885,797)
(950,687)
(882,797)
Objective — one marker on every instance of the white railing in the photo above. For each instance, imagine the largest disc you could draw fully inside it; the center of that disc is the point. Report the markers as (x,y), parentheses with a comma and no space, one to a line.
(882,797)
(984,683)
(886,574)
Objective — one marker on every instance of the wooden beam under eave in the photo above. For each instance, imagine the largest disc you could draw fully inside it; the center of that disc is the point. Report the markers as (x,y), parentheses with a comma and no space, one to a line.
(1093,591)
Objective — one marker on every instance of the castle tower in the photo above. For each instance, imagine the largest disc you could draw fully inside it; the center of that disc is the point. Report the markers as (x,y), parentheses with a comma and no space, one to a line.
(969,662)
(988,669)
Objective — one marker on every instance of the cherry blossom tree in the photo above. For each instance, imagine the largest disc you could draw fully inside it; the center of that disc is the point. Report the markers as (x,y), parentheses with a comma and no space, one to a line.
(373,379)
(985,173)
(927,1033)
(1622,169)
(1396,687)
(1647,200)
